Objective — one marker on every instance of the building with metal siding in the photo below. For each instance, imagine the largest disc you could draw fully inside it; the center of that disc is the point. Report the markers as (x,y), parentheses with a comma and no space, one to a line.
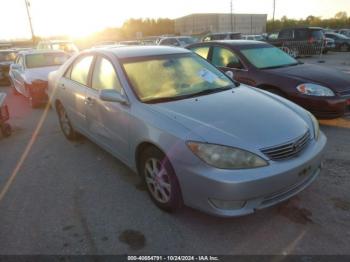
(218,23)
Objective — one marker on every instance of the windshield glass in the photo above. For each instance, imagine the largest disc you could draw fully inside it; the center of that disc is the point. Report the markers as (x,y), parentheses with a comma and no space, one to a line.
(66,47)
(267,57)
(174,77)
(186,41)
(7,56)
(44,60)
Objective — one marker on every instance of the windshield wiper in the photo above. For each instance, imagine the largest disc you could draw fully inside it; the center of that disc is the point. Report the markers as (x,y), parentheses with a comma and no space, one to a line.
(201,93)
(210,91)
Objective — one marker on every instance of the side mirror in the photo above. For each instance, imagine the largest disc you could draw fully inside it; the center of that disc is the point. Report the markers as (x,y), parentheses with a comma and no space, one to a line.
(16,67)
(113,96)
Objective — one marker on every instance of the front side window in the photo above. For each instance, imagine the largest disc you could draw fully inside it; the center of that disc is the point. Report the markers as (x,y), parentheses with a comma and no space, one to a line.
(223,57)
(45,60)
(104,76)
(174,77)
(203,51)
(268,57)
(80,70)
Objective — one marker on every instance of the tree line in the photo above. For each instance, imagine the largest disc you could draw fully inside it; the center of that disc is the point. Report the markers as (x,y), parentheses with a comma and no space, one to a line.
(340,20)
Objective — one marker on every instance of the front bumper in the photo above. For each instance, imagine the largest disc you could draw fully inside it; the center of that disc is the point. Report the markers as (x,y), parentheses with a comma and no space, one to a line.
(325,107)
(256,188)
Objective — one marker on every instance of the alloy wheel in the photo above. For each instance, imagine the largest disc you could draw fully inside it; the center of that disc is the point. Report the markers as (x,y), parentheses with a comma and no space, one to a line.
(157,180)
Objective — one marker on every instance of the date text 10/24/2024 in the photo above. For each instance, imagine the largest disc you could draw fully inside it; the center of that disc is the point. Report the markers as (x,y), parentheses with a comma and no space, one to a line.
(173,258)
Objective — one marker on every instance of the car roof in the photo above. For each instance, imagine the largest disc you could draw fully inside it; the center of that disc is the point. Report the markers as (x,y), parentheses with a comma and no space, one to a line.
(35,51)
(236,43)
(55,41)
(143,51)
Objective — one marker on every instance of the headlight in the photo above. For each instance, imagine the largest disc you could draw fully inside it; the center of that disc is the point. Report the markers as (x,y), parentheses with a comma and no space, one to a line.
(316,126)
(314,90)
(225,157)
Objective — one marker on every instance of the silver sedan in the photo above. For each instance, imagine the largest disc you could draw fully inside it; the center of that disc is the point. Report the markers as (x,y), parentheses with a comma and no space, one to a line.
(193,135)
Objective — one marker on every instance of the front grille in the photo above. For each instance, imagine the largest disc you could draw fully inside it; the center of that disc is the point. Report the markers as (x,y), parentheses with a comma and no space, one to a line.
(288,150)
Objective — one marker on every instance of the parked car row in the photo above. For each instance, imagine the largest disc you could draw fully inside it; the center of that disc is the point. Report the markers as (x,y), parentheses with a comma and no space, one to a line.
(215,126)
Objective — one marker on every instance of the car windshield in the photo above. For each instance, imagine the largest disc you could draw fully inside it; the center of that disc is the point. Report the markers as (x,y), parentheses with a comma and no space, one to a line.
(66,47)
(7,56)
(44,60)
(341,36)
(268,57)
(176,77)
(186,40)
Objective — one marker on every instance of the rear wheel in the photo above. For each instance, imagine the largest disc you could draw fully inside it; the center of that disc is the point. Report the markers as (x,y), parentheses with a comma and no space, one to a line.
(160,179)
(65,123)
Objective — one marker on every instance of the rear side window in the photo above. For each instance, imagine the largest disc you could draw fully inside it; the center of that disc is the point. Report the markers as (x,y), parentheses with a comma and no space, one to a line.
(80,70)
(223,57)
(317,34)
(301,34)
(104,76)
(286,34)
(203,51)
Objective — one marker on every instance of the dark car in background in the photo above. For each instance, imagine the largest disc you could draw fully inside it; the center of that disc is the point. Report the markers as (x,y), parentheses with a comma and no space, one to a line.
(221,36)
(6,59)
(300,41)
(342,43)
(345,32)
(323,91)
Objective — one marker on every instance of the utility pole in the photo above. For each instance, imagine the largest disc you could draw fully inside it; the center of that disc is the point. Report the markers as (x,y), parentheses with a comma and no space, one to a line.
(30,20)
(231,12)
(274,10)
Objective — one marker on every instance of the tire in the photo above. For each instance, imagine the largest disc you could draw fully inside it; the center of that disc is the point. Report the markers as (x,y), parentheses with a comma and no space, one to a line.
(65,124)
(6,130)
(164,190)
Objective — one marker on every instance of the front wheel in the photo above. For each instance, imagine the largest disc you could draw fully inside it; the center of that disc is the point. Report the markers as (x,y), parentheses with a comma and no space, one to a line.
(65,123)
(160,179)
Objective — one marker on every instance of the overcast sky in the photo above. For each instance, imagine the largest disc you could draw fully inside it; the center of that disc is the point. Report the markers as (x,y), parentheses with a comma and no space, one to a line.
(81,17)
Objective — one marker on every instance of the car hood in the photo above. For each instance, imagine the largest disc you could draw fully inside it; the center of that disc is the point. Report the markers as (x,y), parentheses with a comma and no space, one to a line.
(41,73)
(239,117)
(306,73)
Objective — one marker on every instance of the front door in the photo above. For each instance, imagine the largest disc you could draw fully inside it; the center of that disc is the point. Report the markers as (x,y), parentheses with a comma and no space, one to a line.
(229,63)
(107,122)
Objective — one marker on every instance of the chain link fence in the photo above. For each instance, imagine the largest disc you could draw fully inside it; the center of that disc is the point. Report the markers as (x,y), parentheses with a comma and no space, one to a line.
(303,48)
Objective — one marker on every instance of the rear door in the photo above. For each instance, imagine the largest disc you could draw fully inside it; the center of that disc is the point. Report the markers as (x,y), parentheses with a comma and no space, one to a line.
(230,63)
(72,89)
(107,122)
